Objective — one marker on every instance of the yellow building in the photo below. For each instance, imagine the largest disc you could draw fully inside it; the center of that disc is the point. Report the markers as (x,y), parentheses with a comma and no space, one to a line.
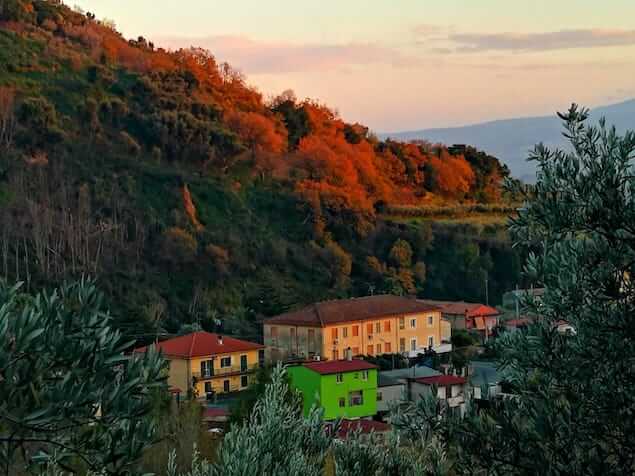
(210,363)
(371,325)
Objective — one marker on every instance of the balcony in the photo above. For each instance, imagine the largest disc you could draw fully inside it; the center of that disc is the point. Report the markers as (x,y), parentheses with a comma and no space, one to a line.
(224,371)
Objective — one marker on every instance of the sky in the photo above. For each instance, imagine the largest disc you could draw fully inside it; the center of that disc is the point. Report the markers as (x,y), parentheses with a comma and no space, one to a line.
(399,65)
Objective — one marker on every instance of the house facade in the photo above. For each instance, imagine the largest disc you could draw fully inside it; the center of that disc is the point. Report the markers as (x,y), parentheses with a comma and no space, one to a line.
(475,317)
(343,388)
(205,363)
(371,325)
(390,392)
(451,391)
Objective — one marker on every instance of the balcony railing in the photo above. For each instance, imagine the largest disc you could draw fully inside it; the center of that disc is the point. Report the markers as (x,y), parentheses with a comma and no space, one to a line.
(219,372)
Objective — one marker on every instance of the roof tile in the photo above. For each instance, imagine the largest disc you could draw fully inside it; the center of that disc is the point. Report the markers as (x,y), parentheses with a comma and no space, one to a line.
(200,344)
(355,309)
(339,366)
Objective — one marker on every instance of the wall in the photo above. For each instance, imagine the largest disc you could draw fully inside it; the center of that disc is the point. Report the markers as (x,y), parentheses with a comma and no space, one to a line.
(233,374)
(421,333)
(331,392)
(291,341)
(307,383)
(178,375)
(391,394)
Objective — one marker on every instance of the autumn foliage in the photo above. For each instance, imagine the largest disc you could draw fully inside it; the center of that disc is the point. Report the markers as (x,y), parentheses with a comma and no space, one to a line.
(185,106)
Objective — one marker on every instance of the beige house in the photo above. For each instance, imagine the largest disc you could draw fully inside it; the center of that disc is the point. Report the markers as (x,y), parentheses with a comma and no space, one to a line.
(371,325)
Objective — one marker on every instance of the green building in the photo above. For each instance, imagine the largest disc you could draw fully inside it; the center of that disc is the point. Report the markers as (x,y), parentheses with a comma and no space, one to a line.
(343,388)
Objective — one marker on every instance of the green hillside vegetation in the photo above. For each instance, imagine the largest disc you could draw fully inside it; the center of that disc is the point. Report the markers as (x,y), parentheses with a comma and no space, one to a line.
(192,200)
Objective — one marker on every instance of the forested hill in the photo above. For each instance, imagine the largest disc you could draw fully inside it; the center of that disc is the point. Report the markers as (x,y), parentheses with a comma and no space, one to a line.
(192,199)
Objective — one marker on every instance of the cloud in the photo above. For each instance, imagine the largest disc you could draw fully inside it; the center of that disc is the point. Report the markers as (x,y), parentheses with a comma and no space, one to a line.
(556,40)
(261,57)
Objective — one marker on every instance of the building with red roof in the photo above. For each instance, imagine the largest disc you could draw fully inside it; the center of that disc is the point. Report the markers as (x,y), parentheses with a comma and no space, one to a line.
(451,390)
(475,317)
(205,363)
(347,428)
(342,388)
(370,325)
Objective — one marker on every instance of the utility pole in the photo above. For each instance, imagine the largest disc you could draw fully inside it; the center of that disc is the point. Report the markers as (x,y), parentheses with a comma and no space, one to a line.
(486,290)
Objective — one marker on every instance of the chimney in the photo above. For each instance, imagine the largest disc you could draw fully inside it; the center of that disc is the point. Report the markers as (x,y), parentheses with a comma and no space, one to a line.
(349,354)
(220,340)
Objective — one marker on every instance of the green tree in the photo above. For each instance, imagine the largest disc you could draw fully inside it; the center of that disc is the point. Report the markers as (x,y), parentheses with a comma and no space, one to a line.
(575,407)
(67,391)
(401,254)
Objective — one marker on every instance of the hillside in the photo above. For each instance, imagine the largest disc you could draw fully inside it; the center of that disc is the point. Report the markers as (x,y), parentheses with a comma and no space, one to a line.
(512,139)
(192,200)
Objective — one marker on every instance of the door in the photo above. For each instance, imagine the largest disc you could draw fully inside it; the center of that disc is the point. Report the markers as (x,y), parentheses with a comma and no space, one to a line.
(243,363)
(226,386)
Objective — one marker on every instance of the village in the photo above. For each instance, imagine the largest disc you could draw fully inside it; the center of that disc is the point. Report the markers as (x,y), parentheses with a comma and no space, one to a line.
(358,359)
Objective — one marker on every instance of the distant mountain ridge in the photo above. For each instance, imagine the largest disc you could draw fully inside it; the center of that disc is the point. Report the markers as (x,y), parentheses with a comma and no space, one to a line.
(510,140)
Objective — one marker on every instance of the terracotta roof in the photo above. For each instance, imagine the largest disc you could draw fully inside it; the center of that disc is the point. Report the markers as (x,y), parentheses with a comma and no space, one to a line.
(199,344)
(339,366)
(347,427)
(461,308)
(441,380)
(520,322)
(356,309)
(214,412)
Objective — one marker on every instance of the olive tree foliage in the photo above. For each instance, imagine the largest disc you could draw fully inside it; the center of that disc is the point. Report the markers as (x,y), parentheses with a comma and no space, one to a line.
(574,412)
(67,391)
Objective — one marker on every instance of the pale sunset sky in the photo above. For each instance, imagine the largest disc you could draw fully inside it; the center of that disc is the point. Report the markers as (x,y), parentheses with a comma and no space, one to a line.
(407,64)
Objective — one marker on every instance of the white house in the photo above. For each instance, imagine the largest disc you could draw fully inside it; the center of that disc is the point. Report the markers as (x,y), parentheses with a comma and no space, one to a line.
(451,390)
(390,392)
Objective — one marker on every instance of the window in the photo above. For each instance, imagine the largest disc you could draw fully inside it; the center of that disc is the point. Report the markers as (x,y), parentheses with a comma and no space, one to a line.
(413,323)
(225,386)
(377,327)
(413,344)
(311,340)
(379,397)
(355,331)
(356,398)
(387,348)
(386,326)
(369,328)
(430,321)
(206,368)
(339,378)
(430,341)
(342,402)
(364,374)
(334,333)
(402,345)
(274,331)
(378,349)
(225,362)
(244,381)
(208,387)
(345,332)
(402,322)
(335,354)
(355,350)
(369,349)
